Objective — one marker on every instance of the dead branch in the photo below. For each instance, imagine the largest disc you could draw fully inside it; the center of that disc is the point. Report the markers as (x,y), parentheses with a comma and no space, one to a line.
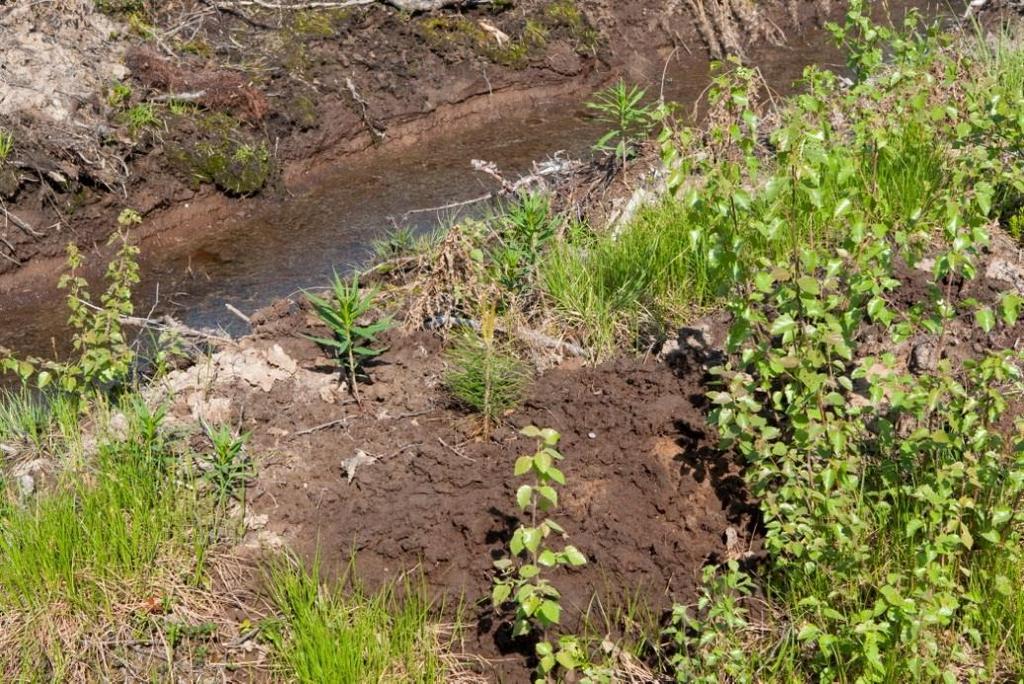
(378,133)
(297,6)
(20,223)
(323,426)
(509,188)
(238,313)
(403,5)
(179,97)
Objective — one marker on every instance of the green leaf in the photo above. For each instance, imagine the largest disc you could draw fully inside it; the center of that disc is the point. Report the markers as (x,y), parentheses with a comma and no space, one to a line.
(543,461)
(808,632)
(763,281)
(549,495)
(524,496)
(531,539)
(516,545)
(809,285)
(1001,515)
(984,192)
(783,324)
(556,475)
(1010,304)
(341,345)
(547,558)
(550,612)
(985,319)
(500,594)
(573,555)
(567,659)
(529,571)
(523,465)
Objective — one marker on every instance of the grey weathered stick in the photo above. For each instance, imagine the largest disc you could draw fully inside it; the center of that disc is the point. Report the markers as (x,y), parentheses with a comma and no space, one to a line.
(21,223)
(238,313)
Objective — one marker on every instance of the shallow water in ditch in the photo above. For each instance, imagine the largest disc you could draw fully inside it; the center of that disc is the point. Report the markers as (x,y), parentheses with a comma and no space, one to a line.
(281,247)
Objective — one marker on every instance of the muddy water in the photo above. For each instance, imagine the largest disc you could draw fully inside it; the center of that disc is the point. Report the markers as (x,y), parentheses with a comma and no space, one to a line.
(296,243)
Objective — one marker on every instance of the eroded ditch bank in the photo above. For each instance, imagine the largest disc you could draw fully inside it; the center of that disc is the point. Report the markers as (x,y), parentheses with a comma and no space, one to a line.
(336,190)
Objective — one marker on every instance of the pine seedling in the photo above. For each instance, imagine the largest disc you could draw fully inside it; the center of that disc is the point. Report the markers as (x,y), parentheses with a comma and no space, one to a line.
(484,375)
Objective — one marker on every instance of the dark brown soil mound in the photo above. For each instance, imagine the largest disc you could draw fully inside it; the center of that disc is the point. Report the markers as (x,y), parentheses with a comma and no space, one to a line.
(426,496)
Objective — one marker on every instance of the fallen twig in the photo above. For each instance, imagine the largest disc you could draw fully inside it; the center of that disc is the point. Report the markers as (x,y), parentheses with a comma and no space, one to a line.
(322,426)
(163,324)
(508,188)
(455,451)
(450,205)
(20,223)
(238,313)
(378,134)
(182,97)
(12,257)
(298,6)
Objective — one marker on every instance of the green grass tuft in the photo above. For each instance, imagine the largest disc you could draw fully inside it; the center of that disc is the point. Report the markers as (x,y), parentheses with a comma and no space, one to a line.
(328,634)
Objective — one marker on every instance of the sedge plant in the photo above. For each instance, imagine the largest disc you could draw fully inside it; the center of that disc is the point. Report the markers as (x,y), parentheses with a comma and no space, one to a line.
(6,145)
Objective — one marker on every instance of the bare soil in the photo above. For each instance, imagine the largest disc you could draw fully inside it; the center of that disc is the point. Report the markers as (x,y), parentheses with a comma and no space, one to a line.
(401,483)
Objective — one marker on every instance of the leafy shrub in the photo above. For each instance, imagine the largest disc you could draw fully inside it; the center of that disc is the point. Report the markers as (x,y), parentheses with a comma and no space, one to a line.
(105,357)
(485,375)
(890,499)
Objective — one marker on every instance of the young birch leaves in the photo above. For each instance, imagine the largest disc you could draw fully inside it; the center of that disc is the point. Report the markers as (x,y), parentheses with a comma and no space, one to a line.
(520,580)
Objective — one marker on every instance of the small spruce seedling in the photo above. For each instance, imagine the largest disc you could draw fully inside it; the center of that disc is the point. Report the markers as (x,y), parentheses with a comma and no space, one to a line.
(484,375)
(520,579)
(352,344)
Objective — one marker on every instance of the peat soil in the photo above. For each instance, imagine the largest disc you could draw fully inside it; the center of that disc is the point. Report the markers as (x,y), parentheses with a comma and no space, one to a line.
(404,483)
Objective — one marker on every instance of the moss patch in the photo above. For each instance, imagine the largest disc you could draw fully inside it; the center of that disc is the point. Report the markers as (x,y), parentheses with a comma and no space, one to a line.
(222,154)
(447,35)
(302,112)
(567,16)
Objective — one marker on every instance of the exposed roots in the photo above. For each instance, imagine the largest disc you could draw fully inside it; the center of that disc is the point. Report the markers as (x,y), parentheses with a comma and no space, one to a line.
(727,25)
